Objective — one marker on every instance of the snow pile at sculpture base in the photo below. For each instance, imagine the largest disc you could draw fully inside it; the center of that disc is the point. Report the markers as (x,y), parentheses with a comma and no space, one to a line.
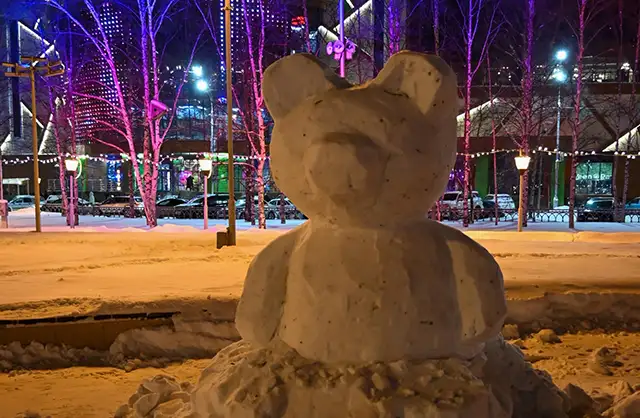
(277,382)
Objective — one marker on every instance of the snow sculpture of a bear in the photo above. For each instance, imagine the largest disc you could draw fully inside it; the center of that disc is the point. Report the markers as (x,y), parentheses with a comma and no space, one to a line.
(367,310)
(368,277)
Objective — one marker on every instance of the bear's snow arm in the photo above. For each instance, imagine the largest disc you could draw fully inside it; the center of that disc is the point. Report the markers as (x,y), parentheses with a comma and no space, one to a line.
(260,307)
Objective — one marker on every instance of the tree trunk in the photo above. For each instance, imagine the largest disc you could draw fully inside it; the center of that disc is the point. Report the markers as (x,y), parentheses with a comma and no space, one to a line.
(540,181)
(527,98)
(617,205)
(61,151)
(281,209)
(577,119)
(132,186)
(467,128)
(394,11)
(493,143)
(625,184)
(262,223)
(249,214)
(436,25)
(307,38)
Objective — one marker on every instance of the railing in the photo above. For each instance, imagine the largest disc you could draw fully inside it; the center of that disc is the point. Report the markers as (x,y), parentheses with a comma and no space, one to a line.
(195,212)
(479,215)
(542,216)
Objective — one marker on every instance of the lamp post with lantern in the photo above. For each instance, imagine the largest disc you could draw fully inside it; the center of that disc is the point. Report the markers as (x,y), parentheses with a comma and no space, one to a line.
(206,166)
(71,164)
(522,164)
(28,67)
(559,75)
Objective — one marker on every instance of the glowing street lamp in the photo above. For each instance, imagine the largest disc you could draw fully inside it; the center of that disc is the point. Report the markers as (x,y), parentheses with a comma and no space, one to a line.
(202,85)
(522,164)
(206,167)
(559,75)
(71,164)
(197,70)
(562,55)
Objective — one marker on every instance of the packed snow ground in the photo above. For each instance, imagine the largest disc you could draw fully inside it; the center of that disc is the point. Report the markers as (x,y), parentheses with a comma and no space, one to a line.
(59,273)
(80,273)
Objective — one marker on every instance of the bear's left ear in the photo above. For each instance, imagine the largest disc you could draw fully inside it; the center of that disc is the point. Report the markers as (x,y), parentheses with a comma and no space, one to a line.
(426,79)
(294,78)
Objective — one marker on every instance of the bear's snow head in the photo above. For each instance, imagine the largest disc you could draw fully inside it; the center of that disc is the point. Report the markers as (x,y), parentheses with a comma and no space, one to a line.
(375,154)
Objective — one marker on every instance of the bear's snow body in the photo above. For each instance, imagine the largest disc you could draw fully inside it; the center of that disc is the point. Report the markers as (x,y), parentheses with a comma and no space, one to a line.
(368,278)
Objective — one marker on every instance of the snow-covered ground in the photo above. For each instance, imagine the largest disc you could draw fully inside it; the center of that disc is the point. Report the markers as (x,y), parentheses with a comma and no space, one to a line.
(547,269)
(96,392)
(79,273)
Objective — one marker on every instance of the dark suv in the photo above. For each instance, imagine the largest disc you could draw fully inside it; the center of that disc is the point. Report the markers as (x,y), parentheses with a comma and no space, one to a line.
(216,207)
(598,209)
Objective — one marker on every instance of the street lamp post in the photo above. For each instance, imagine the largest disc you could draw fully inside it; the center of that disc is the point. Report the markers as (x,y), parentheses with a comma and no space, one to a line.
(28,67)
(228,237)
(342,55)
(560,76)
(203,86)
(522,164)
(206,166)
(4,205)
(71,164)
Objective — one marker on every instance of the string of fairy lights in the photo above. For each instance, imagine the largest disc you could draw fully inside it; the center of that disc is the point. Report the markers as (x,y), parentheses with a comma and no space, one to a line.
(121,158)
(243,158)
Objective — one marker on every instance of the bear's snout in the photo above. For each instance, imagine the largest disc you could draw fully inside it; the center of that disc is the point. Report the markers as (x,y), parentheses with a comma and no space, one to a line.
(342,166)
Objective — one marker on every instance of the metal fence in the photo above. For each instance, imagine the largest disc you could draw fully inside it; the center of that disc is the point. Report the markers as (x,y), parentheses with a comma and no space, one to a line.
(542,216)
(196,212)
(478,216)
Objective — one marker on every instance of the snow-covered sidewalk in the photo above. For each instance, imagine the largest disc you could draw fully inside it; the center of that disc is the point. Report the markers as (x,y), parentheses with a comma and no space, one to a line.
(23,221)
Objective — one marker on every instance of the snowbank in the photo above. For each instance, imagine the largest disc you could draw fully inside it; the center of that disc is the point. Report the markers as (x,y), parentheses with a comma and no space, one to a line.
(557,236)
(576,311)
(201,334)
(155,347)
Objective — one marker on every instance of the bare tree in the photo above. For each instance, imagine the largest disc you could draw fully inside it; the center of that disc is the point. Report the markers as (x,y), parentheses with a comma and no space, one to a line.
(633,110)
(616,161)
(149,18)
(587,10)
(255,50)
(472,13)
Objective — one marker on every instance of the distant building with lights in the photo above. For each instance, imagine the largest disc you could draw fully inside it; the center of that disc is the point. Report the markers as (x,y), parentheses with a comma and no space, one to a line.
(94,75)
(243,12)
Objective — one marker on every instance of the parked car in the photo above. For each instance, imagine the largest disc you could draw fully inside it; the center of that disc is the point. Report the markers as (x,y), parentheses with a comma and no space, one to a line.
(505,204)
(216,205)
(22,202)
(633,205)
(53,203)
(452,204)
(165,207)
(170,202)
(598,209)
(289,207)
(118,206)
(505,201)
(270,211)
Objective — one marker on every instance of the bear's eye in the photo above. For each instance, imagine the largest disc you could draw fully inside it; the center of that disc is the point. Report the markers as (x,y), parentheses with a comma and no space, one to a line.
(395,94)
(318,102)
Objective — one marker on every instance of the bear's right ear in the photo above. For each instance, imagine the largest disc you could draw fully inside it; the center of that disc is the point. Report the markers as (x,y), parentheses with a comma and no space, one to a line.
(294,78)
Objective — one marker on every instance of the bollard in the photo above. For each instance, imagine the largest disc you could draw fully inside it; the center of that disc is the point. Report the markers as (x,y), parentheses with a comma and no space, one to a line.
(4,214)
